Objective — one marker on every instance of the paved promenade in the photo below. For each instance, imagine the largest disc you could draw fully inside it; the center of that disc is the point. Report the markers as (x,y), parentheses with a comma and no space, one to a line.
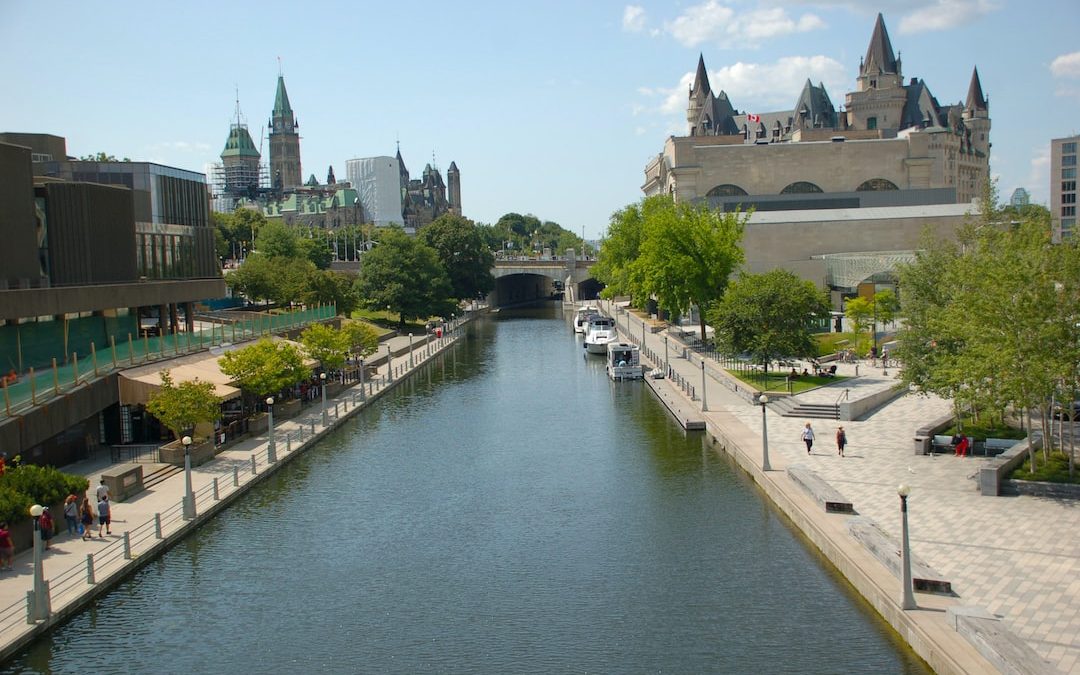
(144,525)
(1018,557)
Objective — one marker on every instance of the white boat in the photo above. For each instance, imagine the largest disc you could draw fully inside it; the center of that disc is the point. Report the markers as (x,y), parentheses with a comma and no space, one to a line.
(581,317)
(624,361)
(600,332)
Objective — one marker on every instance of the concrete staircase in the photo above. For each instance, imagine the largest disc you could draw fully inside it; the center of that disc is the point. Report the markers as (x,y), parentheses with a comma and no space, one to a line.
(790,406)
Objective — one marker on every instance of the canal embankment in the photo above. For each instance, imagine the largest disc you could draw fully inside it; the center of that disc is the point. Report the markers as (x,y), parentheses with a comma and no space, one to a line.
(77,571)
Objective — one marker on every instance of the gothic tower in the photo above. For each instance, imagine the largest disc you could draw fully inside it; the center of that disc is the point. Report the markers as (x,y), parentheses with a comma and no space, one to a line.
(284,140)
(879,98)
(700,98)
(977,116)
(453,178)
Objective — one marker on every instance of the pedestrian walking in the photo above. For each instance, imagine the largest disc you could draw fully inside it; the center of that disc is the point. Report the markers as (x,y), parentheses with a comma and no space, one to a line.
(808,437)
(7,548)
(104,514)
(841,440)
(86,518)
(71,513)
(102,490)
(45,522)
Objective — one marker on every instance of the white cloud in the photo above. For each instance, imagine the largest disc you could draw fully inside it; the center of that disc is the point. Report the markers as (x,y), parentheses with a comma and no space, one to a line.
(633,18)
(713,22)
(1066,65)
(945,14)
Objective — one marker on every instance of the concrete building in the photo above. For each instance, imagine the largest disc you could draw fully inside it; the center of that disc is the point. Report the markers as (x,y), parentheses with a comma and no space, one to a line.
(378,183)
(89,248)
(1063,186)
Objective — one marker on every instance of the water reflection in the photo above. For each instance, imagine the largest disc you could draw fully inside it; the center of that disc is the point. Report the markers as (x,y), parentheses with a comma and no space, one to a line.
(522,514)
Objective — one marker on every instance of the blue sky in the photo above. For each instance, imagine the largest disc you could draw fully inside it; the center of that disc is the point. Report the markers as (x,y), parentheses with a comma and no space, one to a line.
(548,108)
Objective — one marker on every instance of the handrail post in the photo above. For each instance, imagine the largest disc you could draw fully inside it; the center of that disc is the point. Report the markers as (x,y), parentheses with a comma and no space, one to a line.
(215,484)
(236,476)
(157,526)
(253,469)
(90,569)
(127,545)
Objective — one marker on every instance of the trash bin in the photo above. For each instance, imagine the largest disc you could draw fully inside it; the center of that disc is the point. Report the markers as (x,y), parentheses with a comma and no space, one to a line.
(922,445)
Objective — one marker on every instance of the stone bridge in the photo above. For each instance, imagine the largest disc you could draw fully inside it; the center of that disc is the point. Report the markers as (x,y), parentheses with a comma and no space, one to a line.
(527,279)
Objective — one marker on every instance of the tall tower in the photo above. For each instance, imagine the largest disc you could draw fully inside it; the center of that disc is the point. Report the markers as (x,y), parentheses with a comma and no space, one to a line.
(879,96)
(700,98)
(453,179)
(977,116)
(240,161)
(284,140)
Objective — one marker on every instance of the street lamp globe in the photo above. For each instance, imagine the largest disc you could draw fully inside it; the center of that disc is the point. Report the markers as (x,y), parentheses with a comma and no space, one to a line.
(322,376)
(903,490)
(269,400)
(36,510)
(763,399)
(186,440)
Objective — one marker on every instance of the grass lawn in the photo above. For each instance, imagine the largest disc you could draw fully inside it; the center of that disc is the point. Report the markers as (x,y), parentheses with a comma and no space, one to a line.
(389,321)
(778,381)
(1054,471)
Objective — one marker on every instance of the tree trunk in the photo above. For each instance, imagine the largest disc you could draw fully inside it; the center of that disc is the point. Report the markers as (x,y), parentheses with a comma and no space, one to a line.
(1031,448)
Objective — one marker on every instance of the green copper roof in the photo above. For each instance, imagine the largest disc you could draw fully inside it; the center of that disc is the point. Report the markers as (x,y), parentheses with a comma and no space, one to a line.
(239,143)
(281,101)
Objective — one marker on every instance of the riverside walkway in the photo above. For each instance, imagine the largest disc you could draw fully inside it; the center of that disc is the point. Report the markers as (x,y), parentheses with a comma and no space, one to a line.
(148,523)
(1016,557)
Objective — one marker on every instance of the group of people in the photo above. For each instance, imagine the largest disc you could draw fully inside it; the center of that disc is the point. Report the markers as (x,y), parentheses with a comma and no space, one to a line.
(79,517)
(808,439)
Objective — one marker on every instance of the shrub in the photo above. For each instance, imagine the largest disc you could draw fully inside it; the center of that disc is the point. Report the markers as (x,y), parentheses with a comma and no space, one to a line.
(28,484)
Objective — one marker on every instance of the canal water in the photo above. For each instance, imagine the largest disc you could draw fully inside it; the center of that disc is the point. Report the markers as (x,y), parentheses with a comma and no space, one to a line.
(508,510)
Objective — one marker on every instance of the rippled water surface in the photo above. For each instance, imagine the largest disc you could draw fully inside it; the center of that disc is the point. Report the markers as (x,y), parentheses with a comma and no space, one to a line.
(508,510)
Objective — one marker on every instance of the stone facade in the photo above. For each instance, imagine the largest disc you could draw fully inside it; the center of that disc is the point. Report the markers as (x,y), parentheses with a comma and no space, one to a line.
(891,137)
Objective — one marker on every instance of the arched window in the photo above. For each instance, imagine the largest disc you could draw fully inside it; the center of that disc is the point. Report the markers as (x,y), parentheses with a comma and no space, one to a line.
(799,188)
(876,184)
(727,190)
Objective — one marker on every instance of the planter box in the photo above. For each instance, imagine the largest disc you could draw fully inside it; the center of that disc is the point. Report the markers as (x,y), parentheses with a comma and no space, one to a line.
(290,408)
(258,424)
(201,452)
(333,389)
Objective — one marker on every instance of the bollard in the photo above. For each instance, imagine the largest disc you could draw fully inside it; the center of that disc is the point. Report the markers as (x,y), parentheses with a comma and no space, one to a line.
(336,413)
(236,476)
(253,471)
(127,545)
(157,526)
(90,569)
(216,495)
(312,427)
(288,443)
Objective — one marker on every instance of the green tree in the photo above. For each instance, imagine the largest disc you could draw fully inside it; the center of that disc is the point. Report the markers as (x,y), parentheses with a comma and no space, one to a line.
(326,345)
(277,240)
(265,367)
(860,312)
(180,407)
(256,279)
(325,287)
(103,157)
(404,274)
(291,279)
(363,338)
(618,265)
(688,253)
(768,316)
(463,253)
(317,251)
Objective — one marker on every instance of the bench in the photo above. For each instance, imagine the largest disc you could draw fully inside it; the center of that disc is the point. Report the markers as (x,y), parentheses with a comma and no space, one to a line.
(821,491)
(942,444)
(924,578)
(995,446)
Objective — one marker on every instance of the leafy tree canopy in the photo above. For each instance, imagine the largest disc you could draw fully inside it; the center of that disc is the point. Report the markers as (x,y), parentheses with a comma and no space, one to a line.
(363,337)
(768,316)
(405,274)
(326,345)
(265,367)
(180,407)
(463,253)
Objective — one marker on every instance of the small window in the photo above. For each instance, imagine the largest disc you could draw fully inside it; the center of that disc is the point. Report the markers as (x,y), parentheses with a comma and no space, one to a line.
(1068,186)
(876,184)
(1068,210)
(1067,148)
(1068,173)
(871,123)
(726,190)
(800,187)
(1068,160)
(1069,198)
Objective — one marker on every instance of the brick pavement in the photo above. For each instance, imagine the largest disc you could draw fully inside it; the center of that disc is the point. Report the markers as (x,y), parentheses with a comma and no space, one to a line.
(1018,557)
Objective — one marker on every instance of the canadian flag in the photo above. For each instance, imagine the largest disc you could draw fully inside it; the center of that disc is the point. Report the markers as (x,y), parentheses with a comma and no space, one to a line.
(753,118)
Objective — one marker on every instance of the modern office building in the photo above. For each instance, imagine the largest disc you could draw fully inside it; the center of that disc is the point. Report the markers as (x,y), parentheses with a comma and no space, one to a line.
(1020,197)
(1063,187)
(90,248)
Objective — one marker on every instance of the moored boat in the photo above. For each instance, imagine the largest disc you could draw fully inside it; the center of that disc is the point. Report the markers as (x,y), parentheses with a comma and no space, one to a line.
(582,316)
(624,361)
(600,332)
